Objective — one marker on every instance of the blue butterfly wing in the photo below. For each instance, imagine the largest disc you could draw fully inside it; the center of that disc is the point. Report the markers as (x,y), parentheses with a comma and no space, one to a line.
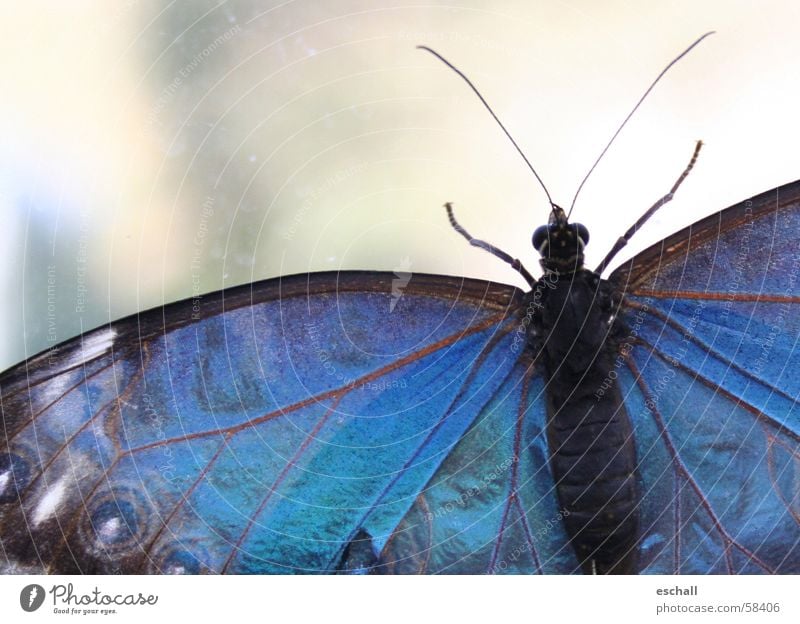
(709,371)
(491,506)
(271,428)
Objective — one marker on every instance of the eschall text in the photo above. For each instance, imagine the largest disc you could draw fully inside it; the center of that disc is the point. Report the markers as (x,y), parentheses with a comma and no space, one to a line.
(691,590)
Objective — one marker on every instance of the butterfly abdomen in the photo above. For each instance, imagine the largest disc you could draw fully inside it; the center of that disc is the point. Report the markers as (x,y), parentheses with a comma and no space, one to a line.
(590,437)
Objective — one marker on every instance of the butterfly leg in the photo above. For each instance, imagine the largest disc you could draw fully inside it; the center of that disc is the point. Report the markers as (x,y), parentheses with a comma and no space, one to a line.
(514,262)
(623,240)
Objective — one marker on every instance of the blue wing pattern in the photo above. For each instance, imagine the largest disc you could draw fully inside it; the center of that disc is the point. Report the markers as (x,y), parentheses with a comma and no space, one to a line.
(497,483)
(710,374)
(264,429)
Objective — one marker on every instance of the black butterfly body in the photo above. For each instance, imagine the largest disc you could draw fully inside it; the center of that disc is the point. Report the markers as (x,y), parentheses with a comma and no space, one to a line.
(575,332)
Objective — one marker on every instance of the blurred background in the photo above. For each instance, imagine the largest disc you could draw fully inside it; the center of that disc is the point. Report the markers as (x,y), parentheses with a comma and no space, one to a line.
(154,150)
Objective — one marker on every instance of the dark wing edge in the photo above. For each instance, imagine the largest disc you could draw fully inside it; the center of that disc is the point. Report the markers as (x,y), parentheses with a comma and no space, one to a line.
(639,269)
(144,325)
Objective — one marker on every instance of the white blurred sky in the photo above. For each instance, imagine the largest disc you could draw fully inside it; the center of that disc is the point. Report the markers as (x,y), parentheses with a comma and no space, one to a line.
(321,139)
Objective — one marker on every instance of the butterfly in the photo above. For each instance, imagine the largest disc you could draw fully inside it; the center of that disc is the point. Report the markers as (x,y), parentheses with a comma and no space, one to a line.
(406,423)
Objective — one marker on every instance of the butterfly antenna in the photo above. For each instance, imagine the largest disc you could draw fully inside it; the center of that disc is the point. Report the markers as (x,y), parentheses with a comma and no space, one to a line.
(625,121)
(489,108)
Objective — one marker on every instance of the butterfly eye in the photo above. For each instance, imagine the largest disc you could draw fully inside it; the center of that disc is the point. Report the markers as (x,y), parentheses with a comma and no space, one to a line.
(583,233)
(541,237)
